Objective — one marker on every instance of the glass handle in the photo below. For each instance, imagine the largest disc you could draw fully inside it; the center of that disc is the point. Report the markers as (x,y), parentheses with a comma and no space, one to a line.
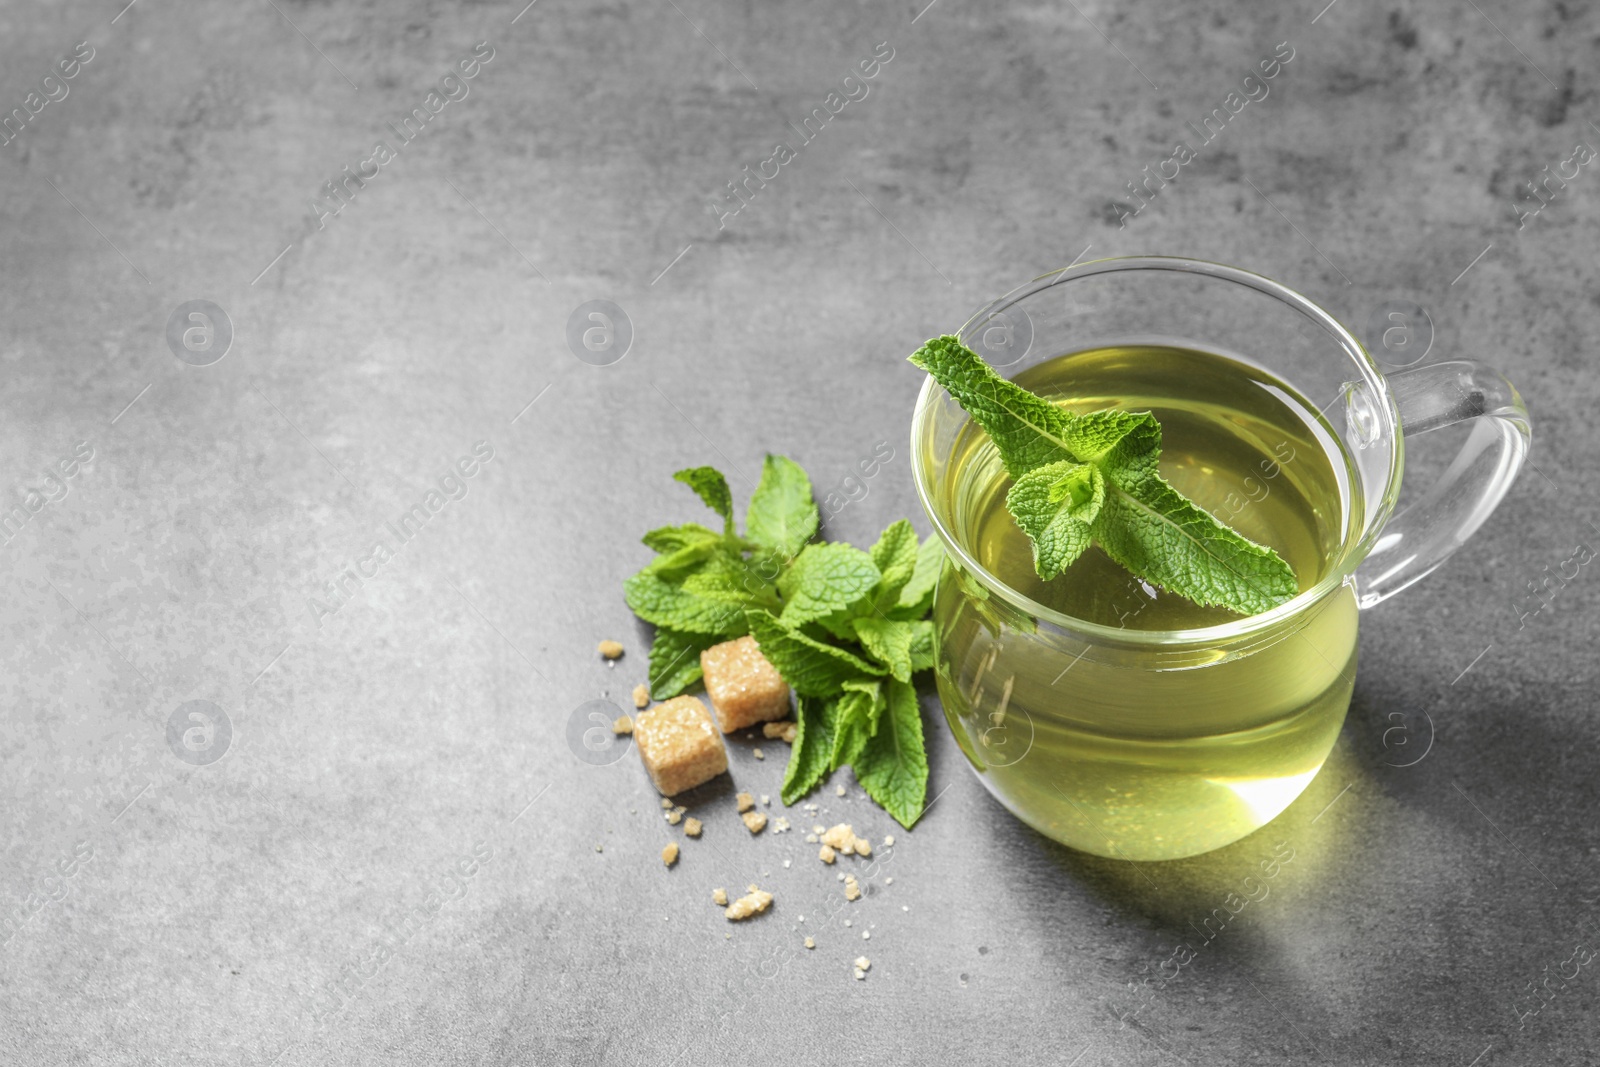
(1417,540)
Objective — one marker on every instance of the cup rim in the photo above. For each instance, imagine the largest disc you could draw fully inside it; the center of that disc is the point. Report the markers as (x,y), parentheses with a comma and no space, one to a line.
(1337,577)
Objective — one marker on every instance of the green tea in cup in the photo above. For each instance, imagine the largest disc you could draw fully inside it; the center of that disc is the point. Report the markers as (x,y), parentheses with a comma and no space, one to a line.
(1115,715)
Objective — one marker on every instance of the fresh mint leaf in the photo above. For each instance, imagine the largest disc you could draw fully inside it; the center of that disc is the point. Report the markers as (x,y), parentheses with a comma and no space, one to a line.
(678,564)
(668,539)
(667,604)
(710,486)
(893,765)
(1095,478)
(855,718)
(895,556)
(1163,537)
(728,578)
(675,660)
(812,749)
(1055,505)
(888,642)
(825,579)
(1159,535)
(921,645)
(1093,434)
(782,514)
(1028,430)
(810,667)
(873,688)
(917,596)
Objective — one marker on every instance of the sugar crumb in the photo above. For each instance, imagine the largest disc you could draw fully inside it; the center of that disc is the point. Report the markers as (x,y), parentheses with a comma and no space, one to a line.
(838,790)
(811,942)
(745,801)
(852,888)
(623,725)
(754,821)
(611,649)
(719,897)
(641,696)
(666,802)
(752,903)
(669,853)
(825,854)
(674,817)
(692,827)
(759,754)
(842,838)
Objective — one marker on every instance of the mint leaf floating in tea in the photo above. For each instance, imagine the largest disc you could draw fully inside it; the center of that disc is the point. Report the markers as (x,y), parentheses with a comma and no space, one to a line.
(1056,505)
(846,629)
(1094,478)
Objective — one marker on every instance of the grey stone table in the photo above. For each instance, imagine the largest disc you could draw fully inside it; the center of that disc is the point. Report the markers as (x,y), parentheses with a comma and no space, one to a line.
(178,527)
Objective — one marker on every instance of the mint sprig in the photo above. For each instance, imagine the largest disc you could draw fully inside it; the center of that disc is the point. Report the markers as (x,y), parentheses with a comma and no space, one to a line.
(1093,479)
(846,629)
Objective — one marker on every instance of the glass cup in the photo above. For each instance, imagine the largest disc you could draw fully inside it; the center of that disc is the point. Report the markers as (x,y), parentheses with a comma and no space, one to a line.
(1148,745)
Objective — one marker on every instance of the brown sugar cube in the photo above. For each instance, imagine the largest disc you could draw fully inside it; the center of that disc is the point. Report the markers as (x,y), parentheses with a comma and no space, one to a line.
(744,688)
(679,745)
(755,821)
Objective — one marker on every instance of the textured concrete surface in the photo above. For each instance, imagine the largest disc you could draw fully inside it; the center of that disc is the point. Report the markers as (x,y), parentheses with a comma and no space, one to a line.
(172,912)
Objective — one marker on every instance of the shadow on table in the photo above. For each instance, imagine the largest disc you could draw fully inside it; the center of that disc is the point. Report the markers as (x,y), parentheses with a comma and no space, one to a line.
(1380,748)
